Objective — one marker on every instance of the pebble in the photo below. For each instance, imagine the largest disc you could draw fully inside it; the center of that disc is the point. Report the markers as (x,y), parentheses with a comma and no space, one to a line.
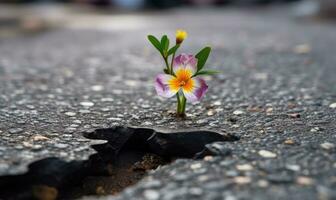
(97,88)
(238,112)
(202,121)
(333,105)
(314,129)
(71,114)
(267,154)
(289,141)
(39,137)
(151,194)
(263,183)
(244,167)
(293,167)
(77,121)
(87,104)
(106,99)
(269,110)
(217,103)
(147,123)
(61,145)
(15,130)
(196,166)
(210,113)
(241,180)
(294,115)
(305,181)
(327,145)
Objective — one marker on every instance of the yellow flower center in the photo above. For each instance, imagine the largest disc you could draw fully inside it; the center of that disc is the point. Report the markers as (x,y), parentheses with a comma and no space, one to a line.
(182,83)
(182,80)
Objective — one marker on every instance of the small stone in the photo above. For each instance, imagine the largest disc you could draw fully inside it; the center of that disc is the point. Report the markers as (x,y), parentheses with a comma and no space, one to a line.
(196,166)
(208,158)
(210,113)
(70,114)
(84,111)
(61,145)
(27,144)
(333,105)
(86,104)
(39,137)
(327,145)
(315,129)
(217,103)
(77,121)
(293,167)
(263,183)
(202,121)
(114,119)
(267,154)
(294,115)
(106,99)
(244,167)
(151,194)
(289,141)
(97,88)
(241,180)
(305,181)
(269,110)
(147,123)
(238,112)
(15,130)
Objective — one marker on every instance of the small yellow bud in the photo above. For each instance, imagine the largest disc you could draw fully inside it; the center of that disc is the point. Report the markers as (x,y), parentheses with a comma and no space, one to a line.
(180,36)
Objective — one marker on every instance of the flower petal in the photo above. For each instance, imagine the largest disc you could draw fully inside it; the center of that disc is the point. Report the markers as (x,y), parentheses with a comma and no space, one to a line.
(185,61)
(162,86)
(198,90)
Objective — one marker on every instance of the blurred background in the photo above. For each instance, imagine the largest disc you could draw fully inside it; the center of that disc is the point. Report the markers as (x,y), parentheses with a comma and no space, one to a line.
(17,16)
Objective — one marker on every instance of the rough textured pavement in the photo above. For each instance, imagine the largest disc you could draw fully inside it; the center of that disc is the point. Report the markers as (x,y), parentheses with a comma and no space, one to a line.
(277,92)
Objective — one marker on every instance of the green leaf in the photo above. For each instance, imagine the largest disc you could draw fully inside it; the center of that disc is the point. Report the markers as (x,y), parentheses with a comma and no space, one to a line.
(173,49)
(207,72)
(155,42)
(202,57)
(165,44)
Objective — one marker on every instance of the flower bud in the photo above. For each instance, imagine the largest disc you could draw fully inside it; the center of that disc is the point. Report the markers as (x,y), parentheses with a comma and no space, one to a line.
(180,36)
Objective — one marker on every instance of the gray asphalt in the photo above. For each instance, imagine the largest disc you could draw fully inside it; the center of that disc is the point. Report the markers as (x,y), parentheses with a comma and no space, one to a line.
(277,92)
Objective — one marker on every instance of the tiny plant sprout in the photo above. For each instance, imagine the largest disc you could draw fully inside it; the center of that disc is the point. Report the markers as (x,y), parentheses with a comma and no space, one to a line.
(183,73)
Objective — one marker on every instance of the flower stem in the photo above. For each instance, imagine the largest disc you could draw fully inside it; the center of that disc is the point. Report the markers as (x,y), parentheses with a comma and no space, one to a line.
(167,65)
(181,105)
(171,64)
(181,100)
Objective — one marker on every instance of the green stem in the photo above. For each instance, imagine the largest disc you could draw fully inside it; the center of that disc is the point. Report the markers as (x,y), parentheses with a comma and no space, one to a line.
(171,64)
(183,105)
(181,100)
(178,103)
(167,65)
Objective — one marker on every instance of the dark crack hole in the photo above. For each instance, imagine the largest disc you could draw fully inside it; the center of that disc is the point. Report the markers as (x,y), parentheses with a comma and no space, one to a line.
(120,162)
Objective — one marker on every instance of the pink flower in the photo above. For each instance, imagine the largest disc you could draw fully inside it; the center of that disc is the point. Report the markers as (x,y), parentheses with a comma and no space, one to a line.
(183,80)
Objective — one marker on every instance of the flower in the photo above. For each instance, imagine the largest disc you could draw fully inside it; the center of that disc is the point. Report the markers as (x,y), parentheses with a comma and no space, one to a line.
(180,36)
(184,67)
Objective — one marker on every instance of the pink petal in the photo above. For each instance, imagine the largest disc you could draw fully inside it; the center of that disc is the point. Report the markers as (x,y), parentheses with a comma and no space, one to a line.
(161,86)
(185,61)
(198,92)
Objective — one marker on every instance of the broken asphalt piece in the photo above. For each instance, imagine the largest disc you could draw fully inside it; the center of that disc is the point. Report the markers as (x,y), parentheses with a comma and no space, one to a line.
(120,162)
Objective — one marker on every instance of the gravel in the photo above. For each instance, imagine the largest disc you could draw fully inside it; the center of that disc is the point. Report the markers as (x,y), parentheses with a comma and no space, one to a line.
(277,92)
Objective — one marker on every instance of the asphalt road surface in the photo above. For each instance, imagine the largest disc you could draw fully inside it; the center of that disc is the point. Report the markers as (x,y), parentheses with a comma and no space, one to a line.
(277,92)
